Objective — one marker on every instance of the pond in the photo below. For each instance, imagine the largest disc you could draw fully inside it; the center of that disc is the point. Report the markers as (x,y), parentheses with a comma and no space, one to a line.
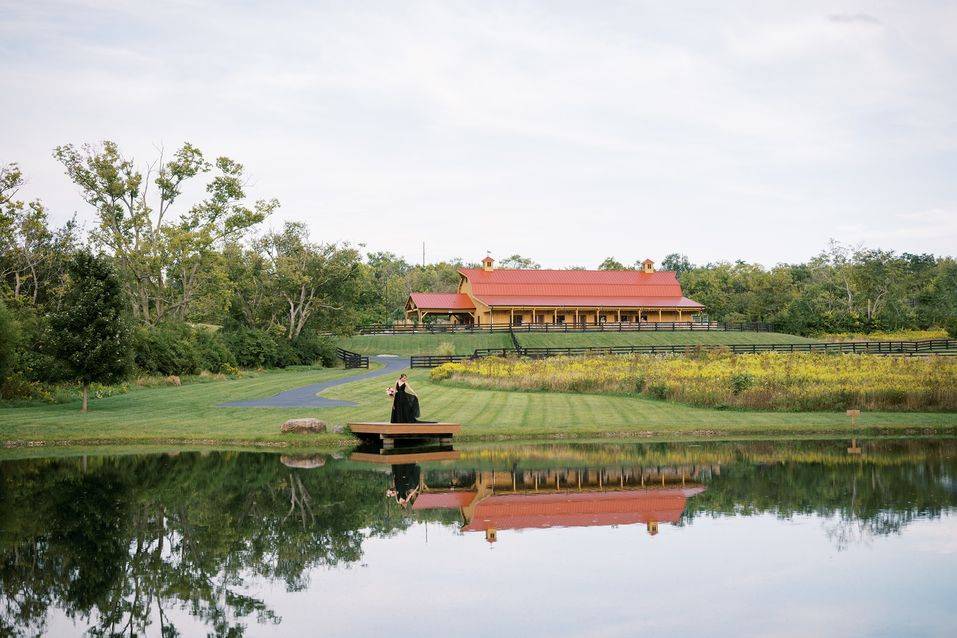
(726,538)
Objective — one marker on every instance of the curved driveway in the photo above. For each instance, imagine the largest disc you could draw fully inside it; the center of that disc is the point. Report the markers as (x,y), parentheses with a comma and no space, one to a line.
(306,397)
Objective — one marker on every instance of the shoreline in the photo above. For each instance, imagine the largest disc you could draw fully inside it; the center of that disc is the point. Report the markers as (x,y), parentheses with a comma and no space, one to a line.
(331,443)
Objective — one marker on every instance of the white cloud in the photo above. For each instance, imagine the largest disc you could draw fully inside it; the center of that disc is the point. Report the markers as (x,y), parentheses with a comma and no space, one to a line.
(565,132)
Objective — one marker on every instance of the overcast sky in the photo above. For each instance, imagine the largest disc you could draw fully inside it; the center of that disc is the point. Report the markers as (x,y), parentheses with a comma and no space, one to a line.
(564,131)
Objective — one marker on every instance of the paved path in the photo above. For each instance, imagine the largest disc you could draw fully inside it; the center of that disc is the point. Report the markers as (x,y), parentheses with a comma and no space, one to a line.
(305,397)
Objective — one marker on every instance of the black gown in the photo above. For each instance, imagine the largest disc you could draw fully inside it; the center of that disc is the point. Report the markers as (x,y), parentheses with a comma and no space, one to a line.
(406,479)
(405,406)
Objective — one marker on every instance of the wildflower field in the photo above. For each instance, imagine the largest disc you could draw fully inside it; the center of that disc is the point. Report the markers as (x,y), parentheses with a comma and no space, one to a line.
(767,381)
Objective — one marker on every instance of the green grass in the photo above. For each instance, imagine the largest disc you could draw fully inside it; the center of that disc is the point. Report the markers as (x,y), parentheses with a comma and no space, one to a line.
(467,343)
(424,343)
(585,339)
(189,415)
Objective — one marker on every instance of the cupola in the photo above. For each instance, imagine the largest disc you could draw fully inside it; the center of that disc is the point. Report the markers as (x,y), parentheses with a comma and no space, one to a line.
(487,263)
(647,266)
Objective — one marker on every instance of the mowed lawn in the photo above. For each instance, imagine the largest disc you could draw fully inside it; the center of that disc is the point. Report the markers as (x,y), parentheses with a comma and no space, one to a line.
(190,414)
(424,343)
(586,339)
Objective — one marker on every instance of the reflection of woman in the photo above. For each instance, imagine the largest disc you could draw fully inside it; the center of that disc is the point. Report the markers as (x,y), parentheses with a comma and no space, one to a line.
(405,404)
(406,483)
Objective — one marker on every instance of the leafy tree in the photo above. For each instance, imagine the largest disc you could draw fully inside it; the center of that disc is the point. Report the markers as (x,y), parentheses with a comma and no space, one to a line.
(310,278)
(517,261)
(9,337)
(677,263)
(161,256)
(611,263)
(32,254)
(91,333)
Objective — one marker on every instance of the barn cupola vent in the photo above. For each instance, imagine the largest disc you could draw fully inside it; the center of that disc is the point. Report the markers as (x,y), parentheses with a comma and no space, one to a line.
(487,263)
(647,266)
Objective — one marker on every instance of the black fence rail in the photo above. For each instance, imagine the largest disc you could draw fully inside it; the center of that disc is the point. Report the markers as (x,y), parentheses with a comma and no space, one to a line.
(434,361)
(904,348)
(624,326)
(352,359)
(930,346)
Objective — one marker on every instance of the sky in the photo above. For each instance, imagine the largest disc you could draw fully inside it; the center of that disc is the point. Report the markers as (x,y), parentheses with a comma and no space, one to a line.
(563,131)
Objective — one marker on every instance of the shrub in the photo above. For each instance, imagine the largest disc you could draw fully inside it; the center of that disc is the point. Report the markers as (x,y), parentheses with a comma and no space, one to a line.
(658,391)
(445,348)
(213,353)
(312,349)
(740,382)
(951,327)
(253,348)
(166,349)
(9,337)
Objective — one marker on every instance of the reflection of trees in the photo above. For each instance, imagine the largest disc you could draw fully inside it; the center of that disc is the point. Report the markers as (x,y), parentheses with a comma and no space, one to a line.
(122,544)
(862,500)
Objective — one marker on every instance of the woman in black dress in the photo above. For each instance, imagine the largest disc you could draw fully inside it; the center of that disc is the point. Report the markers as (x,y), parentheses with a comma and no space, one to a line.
(405,405)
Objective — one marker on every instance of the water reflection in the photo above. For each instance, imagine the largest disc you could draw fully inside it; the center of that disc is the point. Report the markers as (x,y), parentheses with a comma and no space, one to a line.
(150,544)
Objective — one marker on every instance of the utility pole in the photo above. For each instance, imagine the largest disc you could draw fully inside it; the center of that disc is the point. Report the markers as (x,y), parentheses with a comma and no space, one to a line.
(423,254)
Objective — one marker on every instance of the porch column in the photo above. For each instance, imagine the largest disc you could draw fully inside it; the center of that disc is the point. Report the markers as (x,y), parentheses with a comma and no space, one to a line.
(555,316)
(619,315)
(659,315)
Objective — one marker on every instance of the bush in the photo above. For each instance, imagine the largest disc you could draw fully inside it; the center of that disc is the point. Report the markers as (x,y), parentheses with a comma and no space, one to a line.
(445,348)
(166,349)
(253,348)
(311,349)
(9,338)
(741,382)
(952,327)
(34,360)
(213,352)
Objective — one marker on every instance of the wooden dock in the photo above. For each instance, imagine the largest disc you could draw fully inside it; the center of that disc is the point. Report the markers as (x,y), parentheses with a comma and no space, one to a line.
(411,457)
(389,433)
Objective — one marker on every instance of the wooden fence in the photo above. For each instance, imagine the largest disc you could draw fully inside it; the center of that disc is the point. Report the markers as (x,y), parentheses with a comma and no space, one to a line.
(903,348)
(352,359)
(467,328)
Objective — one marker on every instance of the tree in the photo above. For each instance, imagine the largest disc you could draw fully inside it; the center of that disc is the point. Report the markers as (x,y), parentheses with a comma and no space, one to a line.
(161,256)
(91,333)
(9,337)
(611,263)
(310,278)
(676,263)
(519,262)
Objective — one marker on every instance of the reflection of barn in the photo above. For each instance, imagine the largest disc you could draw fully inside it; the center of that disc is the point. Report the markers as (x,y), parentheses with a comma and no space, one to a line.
(490,501)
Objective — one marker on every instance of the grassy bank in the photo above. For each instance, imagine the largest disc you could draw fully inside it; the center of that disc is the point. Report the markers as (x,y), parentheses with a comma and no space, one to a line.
(897,335)
(189,415)
(587,339)
(467,343)
(770,381)
(425,343)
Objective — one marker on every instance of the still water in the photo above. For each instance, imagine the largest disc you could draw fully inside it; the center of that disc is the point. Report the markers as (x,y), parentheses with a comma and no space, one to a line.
(718,539)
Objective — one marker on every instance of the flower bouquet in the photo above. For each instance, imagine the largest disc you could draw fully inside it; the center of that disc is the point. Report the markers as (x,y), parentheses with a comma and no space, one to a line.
(390,391)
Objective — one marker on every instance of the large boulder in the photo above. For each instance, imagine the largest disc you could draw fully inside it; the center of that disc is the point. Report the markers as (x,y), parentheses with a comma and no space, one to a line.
(303,426)
(303,462)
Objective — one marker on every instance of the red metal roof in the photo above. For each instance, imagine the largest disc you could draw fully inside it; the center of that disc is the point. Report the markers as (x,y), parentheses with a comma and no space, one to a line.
(605,302)
(580,509)
(443,500)
(511,287)
(442,301)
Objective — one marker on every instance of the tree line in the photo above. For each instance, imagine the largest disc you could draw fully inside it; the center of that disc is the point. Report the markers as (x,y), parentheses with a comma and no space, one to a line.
(204,285)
